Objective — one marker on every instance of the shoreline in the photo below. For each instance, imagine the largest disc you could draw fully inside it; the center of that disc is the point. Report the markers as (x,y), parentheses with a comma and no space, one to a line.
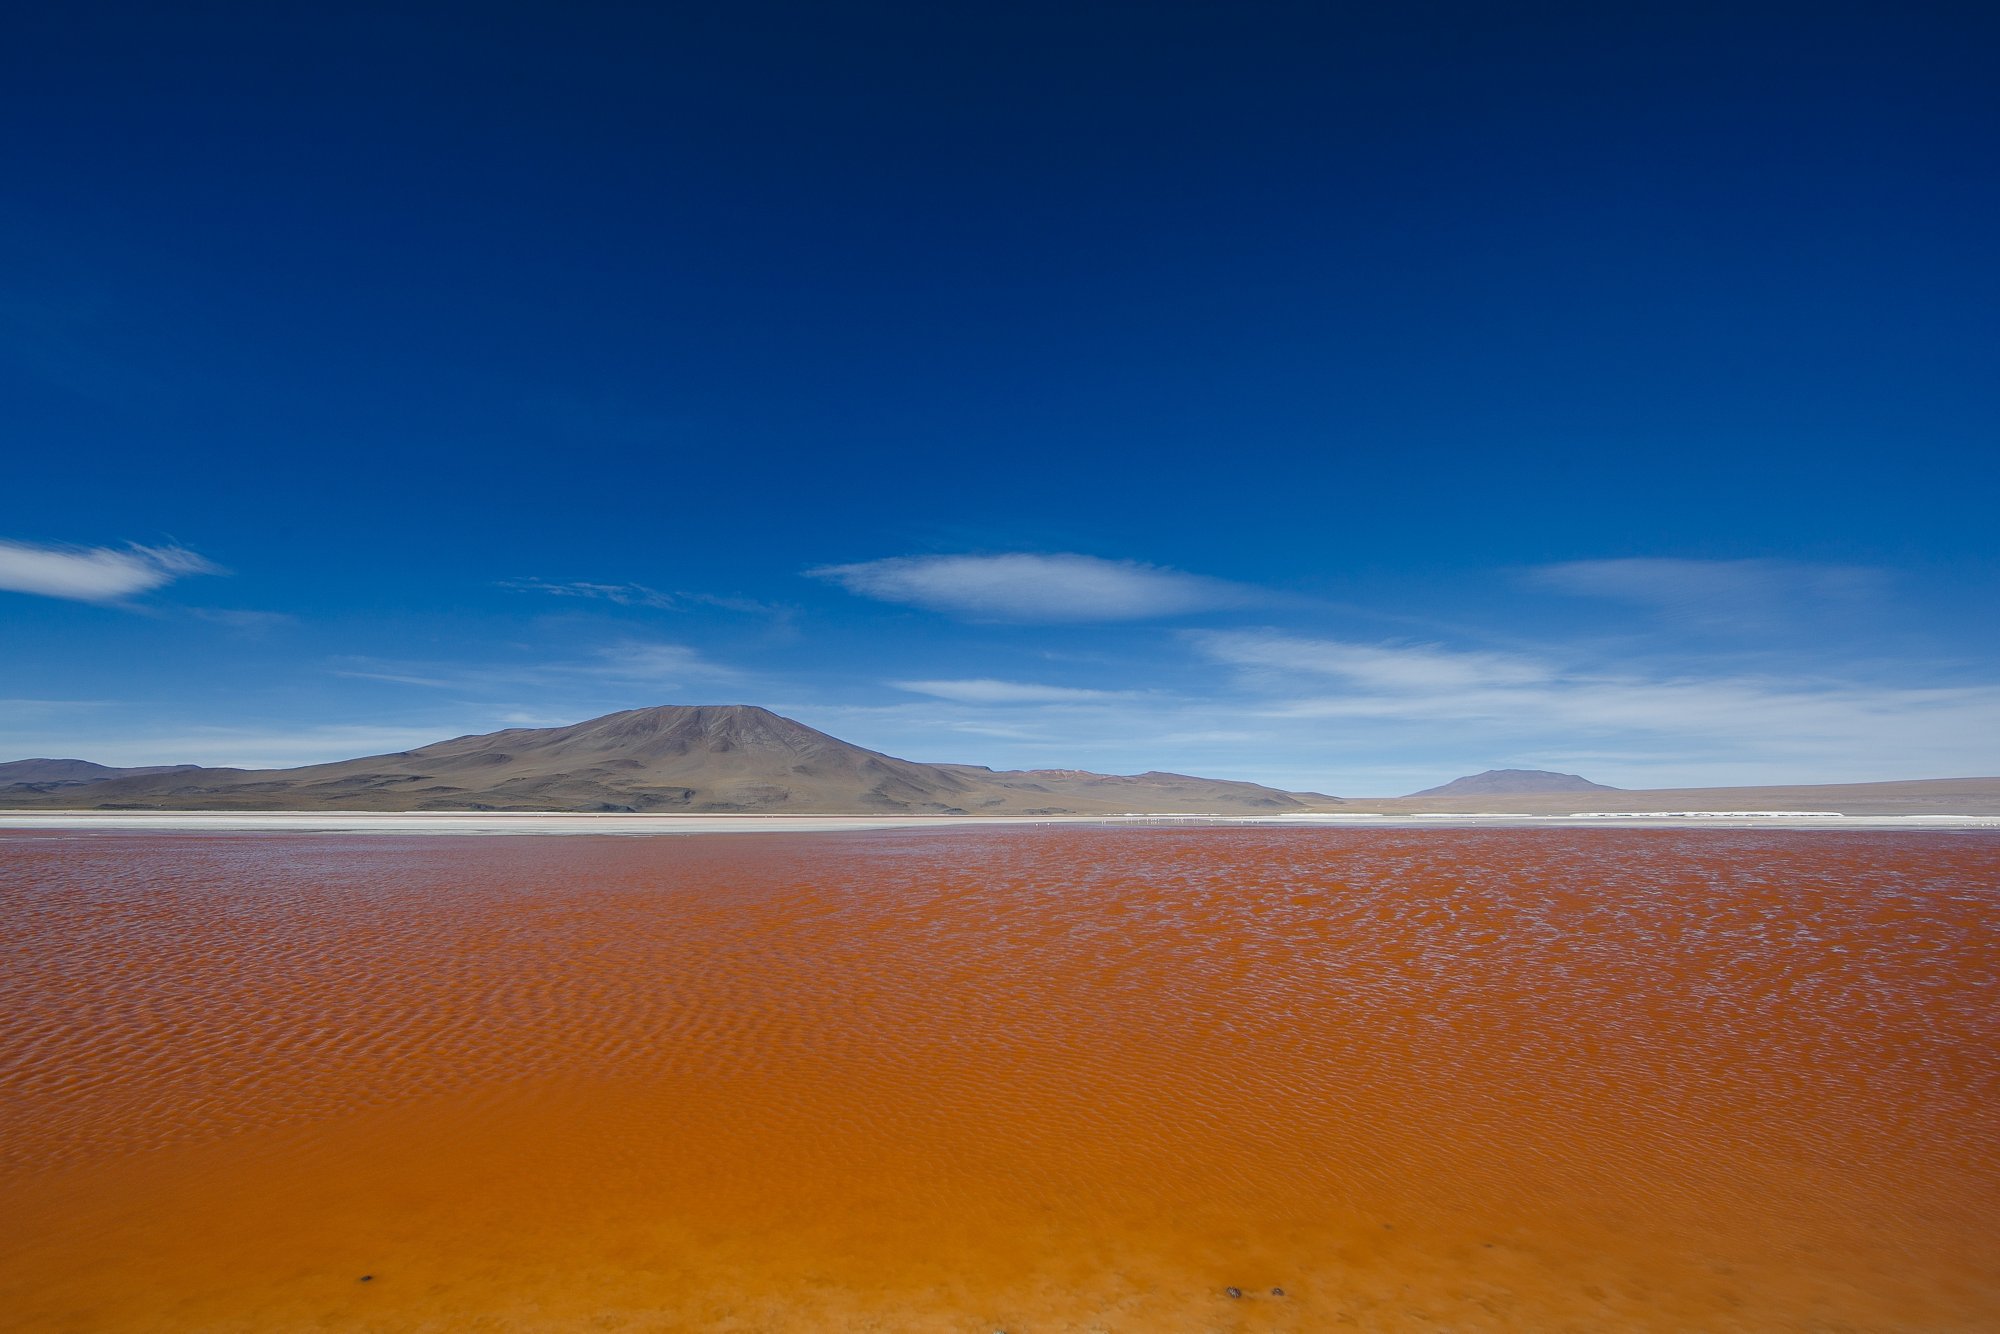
(628,825)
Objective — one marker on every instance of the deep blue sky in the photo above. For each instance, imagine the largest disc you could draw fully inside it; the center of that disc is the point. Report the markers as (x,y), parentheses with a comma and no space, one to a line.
(1337,396)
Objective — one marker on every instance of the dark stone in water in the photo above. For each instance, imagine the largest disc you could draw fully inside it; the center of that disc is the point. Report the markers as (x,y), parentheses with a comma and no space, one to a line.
(1277,1292)
(367,1278)
(1234,1292)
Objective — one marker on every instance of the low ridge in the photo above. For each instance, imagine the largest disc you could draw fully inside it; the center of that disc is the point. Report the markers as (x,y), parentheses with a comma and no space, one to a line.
(47,775)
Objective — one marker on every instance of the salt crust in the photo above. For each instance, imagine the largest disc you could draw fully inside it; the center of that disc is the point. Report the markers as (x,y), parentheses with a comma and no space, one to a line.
(474,822)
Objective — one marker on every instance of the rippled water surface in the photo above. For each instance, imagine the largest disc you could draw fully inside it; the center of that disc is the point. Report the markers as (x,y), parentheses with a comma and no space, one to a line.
(1019,1079)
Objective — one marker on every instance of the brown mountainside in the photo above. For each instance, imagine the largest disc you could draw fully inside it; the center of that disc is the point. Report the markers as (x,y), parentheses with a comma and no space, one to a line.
(739,758)
(705,758)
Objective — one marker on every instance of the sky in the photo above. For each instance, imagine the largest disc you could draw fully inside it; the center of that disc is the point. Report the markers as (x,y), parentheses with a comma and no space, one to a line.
(1336,396)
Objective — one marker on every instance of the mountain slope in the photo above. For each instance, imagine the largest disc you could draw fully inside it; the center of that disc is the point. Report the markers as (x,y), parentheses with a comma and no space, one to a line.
(707,758)
(1513,782)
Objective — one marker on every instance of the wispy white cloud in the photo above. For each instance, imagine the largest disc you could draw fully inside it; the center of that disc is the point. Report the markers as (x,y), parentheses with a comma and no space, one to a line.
(401,678)
(1025,586)
(1386,667)
(625,662)
(471,697)
(649,662)
(1727,594)
(623,595)
(23,709)
(639,595)
(999,730)
(272,747)
(1833,727)
(529,718)
(987,691)
(244,622)
(95,574)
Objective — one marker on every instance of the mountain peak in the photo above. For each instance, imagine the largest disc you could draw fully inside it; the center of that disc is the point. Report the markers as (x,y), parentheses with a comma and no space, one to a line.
(653,734)
(668,757)
(1513,782)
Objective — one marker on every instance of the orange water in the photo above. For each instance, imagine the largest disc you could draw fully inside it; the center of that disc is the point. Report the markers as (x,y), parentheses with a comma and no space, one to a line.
(1019,1079)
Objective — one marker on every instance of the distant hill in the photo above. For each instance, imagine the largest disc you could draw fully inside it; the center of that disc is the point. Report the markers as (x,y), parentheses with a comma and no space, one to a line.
(1902,797)
(1513,782)
(48,775)
(693,758)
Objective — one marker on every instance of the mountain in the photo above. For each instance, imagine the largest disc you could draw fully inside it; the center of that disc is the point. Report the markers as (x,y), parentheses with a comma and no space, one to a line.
(1513,782)
(706,758)
(1904,797)
(737,758)
(47,775)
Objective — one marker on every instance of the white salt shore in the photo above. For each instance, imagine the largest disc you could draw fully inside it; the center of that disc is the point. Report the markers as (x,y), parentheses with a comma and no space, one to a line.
(474,822)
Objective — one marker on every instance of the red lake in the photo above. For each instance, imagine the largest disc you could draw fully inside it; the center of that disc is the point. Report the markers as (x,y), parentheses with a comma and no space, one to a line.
(1012,1079)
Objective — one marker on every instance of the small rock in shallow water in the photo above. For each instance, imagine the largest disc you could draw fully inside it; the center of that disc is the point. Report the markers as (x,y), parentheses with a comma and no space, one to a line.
(367,1278)
(1234,1292)
(1277,1292)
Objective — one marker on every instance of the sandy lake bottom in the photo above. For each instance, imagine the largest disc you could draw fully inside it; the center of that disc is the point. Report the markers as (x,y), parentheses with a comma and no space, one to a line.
(1012,1079)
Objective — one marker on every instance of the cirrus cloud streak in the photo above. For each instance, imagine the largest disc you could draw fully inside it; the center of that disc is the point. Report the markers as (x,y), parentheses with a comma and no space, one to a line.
(1032,587)
(94,574)
(987,691)
(1836,726)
